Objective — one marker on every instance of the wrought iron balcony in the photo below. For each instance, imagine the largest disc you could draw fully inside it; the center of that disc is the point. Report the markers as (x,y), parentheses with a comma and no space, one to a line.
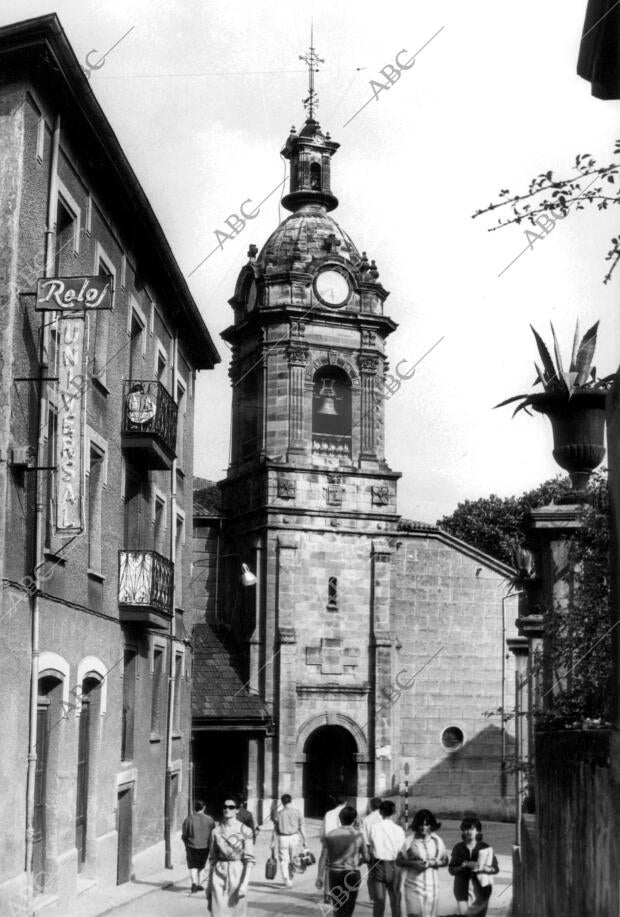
(331,445)
(145,581)
(149,423)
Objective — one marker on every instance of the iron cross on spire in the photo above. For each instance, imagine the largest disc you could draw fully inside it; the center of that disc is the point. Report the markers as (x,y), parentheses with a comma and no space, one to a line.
(311,59)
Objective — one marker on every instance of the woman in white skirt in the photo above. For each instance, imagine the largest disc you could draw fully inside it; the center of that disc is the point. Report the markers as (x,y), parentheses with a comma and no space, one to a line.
(231,856)
(423,854)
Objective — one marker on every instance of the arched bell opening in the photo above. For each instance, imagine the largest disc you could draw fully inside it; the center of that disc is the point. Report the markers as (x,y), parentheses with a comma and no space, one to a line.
(315,176)
(331,413)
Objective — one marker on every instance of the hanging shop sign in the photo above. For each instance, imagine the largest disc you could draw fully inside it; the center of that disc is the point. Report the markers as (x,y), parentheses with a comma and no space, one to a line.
(72,382)
(71,294)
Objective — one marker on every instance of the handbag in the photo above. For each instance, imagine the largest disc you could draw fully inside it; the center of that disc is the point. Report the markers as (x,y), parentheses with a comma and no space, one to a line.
(308,858)
(271,866)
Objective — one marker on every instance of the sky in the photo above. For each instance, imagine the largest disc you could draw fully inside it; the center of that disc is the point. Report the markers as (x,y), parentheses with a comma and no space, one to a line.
(202,96)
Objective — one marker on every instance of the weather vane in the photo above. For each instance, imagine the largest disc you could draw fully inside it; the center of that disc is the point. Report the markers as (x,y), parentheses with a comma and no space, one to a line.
(311,59)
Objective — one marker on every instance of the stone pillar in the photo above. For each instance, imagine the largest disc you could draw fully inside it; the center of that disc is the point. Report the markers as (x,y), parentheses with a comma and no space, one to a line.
(519,647)
(286,713)
(381,736)
(254,788)
(368,408)
(551,528)
(297,357)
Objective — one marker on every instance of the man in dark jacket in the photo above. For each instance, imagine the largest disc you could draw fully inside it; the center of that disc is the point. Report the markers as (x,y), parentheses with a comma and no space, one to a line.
(196,835)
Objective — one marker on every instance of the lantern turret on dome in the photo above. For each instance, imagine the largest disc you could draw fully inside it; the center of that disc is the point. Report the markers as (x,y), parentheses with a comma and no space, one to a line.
(310,151)
(309,154)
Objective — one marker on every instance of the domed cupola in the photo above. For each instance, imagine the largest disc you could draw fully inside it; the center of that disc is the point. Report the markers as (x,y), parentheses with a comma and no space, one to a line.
(308,261)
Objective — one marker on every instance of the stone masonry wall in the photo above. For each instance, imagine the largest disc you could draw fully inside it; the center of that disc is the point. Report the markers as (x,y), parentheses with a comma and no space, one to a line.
(448,617)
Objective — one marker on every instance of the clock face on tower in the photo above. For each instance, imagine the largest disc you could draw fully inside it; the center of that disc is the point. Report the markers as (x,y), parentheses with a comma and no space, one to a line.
(332,288)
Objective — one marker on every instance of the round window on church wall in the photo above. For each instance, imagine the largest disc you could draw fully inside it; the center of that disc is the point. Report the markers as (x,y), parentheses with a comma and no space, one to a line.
(452,738)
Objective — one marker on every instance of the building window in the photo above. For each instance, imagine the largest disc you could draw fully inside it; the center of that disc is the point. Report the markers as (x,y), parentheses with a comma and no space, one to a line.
(159,525)
(178,691)
(332,594)
(99,325)
(130,661)
(158,669)
(315,176)
(452,738)
(66,237)
(136,346)
(136,506)
(94,492)
(161,366)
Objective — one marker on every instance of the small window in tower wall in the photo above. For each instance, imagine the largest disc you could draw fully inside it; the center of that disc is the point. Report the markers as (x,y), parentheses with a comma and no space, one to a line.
(332,593)
(452,738)
(315,176)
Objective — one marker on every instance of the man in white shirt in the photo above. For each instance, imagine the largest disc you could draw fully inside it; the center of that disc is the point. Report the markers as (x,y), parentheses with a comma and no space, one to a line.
(387,839)
(288,829)
(373,816)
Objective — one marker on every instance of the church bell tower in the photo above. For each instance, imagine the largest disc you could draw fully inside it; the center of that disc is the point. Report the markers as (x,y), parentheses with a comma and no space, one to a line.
(309,498)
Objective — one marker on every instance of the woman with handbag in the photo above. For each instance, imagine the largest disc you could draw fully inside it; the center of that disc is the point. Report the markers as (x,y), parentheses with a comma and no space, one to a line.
(231,857)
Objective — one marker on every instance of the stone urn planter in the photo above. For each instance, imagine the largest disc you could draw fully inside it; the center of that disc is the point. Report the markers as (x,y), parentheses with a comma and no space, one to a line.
(578,424)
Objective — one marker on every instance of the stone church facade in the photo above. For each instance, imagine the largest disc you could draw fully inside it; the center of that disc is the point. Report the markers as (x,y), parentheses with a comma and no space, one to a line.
(365,656)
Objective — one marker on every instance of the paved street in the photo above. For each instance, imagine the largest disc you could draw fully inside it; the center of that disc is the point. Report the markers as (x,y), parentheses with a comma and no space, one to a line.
(270,898)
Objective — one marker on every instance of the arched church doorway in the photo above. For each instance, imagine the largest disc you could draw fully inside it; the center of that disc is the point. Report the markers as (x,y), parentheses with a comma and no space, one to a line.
(330,769)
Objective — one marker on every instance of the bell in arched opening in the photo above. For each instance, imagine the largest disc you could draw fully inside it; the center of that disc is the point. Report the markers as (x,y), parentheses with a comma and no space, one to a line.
(327,398)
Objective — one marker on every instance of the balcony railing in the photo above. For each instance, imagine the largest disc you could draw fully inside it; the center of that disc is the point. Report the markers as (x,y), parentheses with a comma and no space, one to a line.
(145,580)
(149,422)
(331,445)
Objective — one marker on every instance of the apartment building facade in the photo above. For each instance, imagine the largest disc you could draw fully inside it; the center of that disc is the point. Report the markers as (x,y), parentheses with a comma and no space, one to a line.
(96,446)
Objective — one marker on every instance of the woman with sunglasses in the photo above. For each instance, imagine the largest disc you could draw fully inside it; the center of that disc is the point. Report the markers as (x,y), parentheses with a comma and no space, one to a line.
(231,857)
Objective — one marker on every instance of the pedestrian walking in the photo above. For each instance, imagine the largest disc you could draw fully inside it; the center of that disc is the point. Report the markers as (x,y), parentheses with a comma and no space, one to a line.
(387,840)
(373,816)
(423,854)
(245,816)
(473,864)
(288,832)
(196,835)
(231,857)
(342,852)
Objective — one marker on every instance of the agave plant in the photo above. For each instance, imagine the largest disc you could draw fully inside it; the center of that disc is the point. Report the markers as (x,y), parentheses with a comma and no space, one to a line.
(579,377)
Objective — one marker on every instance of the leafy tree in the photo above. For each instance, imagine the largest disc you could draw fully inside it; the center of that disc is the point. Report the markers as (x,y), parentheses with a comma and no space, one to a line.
(493,524)
(548,198)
